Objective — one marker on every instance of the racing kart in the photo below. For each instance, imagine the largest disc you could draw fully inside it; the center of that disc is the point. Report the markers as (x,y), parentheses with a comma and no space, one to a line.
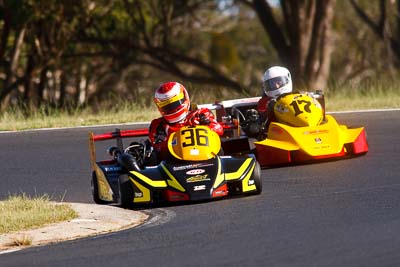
(194,171)
(303,133)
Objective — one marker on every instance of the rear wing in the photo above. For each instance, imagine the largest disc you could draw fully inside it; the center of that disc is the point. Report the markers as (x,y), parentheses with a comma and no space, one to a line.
(221,108)
(117,134)
(230,103)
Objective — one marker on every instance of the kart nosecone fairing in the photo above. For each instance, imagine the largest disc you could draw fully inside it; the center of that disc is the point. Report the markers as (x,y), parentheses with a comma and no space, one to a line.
(194,171)
(303,134)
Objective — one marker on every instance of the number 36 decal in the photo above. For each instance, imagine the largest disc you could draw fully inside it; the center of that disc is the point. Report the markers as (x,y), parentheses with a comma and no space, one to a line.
(195,137)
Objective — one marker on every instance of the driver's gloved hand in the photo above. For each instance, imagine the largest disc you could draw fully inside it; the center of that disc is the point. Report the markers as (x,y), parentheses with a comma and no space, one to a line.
(203,120)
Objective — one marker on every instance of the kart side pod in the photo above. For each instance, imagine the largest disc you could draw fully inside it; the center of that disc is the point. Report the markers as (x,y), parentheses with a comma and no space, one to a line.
(286,144)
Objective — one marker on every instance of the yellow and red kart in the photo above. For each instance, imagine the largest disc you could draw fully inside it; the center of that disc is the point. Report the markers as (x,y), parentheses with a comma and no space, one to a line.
(303,134)
(194,170)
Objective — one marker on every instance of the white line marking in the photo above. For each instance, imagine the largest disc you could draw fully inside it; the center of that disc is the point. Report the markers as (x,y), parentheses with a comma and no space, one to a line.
(10,251)
(364,110)
(74,127)
(145,122)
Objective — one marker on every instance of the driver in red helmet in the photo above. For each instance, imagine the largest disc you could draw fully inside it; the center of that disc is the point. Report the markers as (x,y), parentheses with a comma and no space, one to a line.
(173,102)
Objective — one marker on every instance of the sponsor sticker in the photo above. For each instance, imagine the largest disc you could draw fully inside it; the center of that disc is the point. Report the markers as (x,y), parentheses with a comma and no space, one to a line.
(322,147)
(199,187)
(198,178)
(112,169)
(195,171)
(316,132)
(194,152)
(281,108)
(191,166)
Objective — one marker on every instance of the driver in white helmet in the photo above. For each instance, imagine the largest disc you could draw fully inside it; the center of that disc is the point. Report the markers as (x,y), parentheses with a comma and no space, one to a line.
(276,81)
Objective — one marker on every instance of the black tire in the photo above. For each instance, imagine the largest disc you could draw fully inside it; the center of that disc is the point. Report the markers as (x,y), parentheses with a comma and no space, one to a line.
(257,179)
(95,190)
(125,191)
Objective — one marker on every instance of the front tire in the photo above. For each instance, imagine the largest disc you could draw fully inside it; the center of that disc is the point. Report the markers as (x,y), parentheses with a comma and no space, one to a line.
(257,178)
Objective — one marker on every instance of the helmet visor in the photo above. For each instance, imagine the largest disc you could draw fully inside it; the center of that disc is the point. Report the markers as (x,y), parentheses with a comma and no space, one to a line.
(275,83)
(170,105)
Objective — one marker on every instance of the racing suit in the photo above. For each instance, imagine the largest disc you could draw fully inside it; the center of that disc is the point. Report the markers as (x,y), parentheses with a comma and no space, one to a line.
(265,108)
(160,129)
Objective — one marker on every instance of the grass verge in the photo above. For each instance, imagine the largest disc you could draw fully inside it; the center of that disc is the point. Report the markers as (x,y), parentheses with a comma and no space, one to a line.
(337,99)
(352,99)
(24,212)
(16,119)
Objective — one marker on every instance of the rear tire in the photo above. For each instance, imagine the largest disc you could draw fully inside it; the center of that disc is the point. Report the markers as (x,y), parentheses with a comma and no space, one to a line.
(95,190)
(125,191)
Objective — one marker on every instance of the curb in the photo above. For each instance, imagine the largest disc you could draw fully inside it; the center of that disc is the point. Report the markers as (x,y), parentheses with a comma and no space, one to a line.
(92,220)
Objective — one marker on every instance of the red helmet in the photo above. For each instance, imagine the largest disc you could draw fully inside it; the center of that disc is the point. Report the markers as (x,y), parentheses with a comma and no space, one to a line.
(172,101)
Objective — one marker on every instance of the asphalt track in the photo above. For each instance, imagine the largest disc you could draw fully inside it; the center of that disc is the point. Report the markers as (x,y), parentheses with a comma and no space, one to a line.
(340,213)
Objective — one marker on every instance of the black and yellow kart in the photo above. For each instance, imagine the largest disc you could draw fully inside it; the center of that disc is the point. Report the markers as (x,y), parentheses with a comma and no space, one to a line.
(194,171)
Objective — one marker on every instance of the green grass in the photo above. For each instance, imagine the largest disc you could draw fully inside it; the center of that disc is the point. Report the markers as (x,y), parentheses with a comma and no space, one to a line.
(352,99)
(13,120)
(24,212)
(337,99)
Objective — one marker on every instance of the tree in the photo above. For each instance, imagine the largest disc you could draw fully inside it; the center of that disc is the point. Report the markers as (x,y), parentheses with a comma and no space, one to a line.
(39,32)
(15,16)
(165,35)
(382,27)
(302,36)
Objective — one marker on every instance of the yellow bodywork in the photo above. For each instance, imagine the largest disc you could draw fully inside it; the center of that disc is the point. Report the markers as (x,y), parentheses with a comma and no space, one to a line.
(194,143)
(145,192)
(246,187)
(105,191)
(298,110)
(323,139)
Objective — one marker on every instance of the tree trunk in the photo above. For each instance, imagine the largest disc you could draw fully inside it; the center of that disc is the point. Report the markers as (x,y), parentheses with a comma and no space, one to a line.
(319,52)
(8,84)
(42,85)
(30,96)
(391,41)
(63,90)
(307,45)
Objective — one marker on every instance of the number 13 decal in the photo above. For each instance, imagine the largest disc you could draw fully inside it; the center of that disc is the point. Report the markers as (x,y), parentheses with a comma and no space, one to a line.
(297,109)
(195,137)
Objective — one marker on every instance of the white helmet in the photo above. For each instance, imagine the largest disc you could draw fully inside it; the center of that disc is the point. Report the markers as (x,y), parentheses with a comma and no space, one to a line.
(276,81)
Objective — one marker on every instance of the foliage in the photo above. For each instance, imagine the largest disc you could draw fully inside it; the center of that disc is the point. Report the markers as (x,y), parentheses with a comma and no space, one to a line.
(76,54)
(25,212)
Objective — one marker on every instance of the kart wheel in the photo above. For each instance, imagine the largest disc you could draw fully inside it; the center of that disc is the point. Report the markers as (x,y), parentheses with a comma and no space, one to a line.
(125,191)
(95,190)
(257,178)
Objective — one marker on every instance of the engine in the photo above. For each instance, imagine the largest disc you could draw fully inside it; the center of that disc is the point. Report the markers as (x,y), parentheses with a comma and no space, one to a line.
(251,124)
